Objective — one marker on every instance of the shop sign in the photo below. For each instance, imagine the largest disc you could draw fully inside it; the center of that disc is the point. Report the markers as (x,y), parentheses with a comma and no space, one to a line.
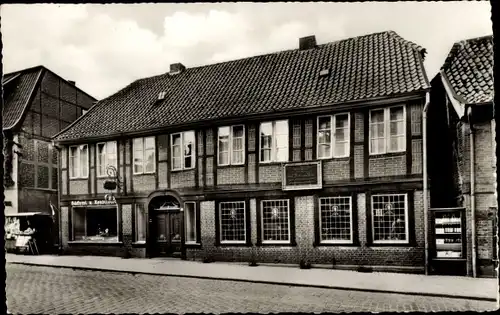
(98,202)
(298,176)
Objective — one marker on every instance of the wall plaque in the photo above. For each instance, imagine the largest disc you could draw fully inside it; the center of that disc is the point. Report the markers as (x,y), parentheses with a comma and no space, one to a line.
(303,175)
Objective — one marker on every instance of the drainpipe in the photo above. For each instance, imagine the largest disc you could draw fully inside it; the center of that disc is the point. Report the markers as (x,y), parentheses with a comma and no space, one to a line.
(472,195)
(58,148)
(425,195)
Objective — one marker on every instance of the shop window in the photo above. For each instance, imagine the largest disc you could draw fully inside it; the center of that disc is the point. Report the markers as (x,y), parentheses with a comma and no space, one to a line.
(140,222)
(183,150)
(190,215)
(231,145)
(333,136)
(106,156)
(335,219)
(387,130)
(95,225)
(390,218)
(78,161)
(232,222)
(274,141)
(275,221)
(144,155)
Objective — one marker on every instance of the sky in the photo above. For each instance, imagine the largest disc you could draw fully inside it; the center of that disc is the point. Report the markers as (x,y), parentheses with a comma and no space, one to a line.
(106,47)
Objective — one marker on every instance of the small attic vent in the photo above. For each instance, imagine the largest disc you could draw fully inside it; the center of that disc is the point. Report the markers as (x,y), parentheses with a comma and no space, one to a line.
(324,72)
(162,95)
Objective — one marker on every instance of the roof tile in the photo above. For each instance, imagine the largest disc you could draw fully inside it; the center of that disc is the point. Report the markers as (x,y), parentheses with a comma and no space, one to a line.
(469,69)
(379,64)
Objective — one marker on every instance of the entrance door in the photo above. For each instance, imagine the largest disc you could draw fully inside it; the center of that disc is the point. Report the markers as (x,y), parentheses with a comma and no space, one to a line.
(167,234)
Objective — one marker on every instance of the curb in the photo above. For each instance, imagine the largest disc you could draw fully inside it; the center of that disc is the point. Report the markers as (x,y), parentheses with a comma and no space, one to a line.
(442,295)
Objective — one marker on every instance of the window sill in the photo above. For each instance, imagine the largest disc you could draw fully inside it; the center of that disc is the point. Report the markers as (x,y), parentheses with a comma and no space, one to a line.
(117,243)
(273,163)
(229,244)
(406,244)
(231,165)
(193,245)
(143,174)
(182,170)
(388,154)
(78,178)
(335,158)
(139,244)
(270,244)
(355,244)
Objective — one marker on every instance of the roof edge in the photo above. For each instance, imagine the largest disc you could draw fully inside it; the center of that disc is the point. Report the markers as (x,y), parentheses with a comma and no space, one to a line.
(28,102)
(297,111)
(456,101)
(459,44)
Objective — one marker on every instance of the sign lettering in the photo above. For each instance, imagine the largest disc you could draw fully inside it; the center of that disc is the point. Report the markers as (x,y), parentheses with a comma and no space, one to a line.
(83,203)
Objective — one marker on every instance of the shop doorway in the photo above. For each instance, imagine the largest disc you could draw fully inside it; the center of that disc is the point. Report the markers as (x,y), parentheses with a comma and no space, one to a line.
(166,227)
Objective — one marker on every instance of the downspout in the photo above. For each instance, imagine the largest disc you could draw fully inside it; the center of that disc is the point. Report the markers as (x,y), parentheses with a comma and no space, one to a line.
(472,195)
(425,195)
(59,195)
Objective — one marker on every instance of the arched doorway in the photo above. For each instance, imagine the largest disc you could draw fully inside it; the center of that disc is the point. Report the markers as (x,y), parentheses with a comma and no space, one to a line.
(166,224)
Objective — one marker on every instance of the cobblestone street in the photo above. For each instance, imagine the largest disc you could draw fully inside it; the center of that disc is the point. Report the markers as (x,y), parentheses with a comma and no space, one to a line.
(33,289)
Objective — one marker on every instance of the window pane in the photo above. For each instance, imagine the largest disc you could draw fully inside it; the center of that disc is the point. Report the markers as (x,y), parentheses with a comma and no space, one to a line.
(137,145)
(335,216)
(101,225)
(266,142)
(265,155)
(266,129)
(323,150)
(282,155)
(237,144)
(223,158)
(275,221)
(176,139)
(377,116)
(177,163)
(324,123)
(341,121)
(341,149)
(389,218)
(396,113)
(238,131)
(111,147)
(150,160)
(223,132)
(149,143)
(84,161)
(140,223)
(79,223)
(138,159)
(232,221)
(324,136)
(237,157)
(190,213)
(281,127)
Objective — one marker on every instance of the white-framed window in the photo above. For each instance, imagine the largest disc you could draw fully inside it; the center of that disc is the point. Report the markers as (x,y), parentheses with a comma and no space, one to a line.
(231,145)
(183,150)
(106,155)
(335,219)
(388,130)
(232,222)
(190,225)
(333,136)
(79,161)
(140,222)
(144,155)
(390,218)
(274,141)
(95,224)
(275,221)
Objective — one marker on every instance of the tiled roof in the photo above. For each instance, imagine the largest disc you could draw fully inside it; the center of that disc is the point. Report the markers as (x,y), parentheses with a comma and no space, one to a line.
(17,94)
(375,65)
(469,69)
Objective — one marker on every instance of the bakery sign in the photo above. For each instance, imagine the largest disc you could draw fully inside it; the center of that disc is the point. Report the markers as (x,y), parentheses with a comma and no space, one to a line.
(86,203)
(303,175)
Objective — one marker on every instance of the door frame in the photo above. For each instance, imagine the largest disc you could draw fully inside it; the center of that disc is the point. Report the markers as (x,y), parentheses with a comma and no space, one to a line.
(166,193)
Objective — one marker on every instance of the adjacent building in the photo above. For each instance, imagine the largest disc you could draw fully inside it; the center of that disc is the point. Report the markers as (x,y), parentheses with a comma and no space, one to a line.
(462,160)
(311,154)
(37,105)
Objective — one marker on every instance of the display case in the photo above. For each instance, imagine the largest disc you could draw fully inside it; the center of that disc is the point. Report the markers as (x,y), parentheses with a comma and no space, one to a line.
(448,241)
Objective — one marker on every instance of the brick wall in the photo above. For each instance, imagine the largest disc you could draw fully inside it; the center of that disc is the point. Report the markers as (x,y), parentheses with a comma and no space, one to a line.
(337,169)
(410,256)
(182,179)
(230,175)
(144,184)
(270,173)
(387,166)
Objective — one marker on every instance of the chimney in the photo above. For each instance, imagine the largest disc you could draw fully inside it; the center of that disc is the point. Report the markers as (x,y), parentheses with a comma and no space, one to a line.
(307,42)
(176,68)
(72,82)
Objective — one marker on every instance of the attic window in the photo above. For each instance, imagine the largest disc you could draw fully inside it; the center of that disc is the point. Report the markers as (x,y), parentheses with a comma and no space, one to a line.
(324,72)
(162,95)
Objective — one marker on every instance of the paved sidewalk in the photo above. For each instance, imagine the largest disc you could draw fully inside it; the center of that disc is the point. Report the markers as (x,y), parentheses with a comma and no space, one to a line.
(443,286)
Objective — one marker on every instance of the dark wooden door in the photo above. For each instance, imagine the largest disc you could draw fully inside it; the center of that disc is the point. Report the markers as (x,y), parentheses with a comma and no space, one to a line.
(167,234)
